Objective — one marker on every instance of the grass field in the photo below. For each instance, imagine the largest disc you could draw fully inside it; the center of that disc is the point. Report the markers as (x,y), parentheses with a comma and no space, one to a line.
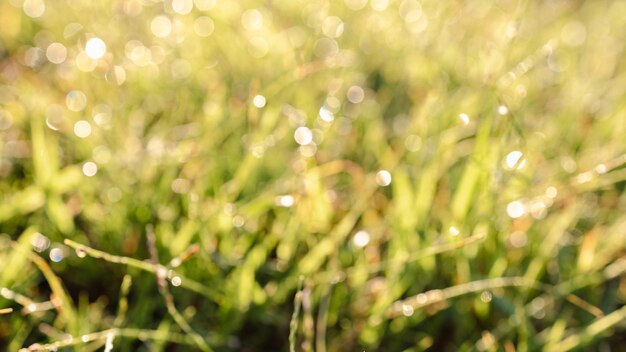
(308,175)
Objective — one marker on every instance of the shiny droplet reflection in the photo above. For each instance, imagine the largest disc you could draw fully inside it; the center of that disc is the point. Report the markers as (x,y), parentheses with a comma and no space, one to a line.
(203,26)
(82,129)
(76,100)
(259,101)
(57,254)
(383,178)
(303,135)
(361,238)
(95,48)
(464,118)
(516,209)
(161,26)
(56,53)
(514,160)
(90,169)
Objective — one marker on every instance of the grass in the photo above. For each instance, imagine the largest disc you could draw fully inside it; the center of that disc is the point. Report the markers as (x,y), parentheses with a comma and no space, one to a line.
(312,175)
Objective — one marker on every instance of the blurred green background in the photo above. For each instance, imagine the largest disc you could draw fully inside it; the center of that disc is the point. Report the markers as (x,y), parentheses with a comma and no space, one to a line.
(383,175)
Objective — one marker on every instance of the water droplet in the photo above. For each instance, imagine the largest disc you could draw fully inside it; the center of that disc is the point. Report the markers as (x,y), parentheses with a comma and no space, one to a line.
(39,242)
(182,7)
(238,221)
(518,239)
(413,143)
(76,100)
(56,53)
(355,94)
(252,20)
(514,160)
(464,118)
(161,26)
(538,209)
(326,114)
(308,150)
(181,185)
(454,231)
(57,254)
(80,252)
(551,192)
(332,27)
(516,209)
(259,101)
(82,129)
(90,169)
(34,8)
(285,201)
(383,178)
(203,26)
(114,194)
(84,62)
(421,299)
(95,48)
(503,110)
(6,293)
(407,310)
(205,5)
(303,135)
(486,296)
(176,281)
(361,239)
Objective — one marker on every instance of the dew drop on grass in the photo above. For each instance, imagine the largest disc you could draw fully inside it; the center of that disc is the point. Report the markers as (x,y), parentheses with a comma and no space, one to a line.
(238,221)
(551,192)
(518,239)
(56,254)
(80,252)
(421,299)
(161,26)
(90,169)
(303,135)
(514,160)
(95,48)
(182,7)
(413,143)
(76,100)
(203,26)
(516,209)
(486,296)
(285,201)
(326,115)
(355,94)
(383,178)
(252,20)
(259,101)
(82,129)
(407,310)
(464,118)
(361,239)
(39,242)
(34,8)
(56,53)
